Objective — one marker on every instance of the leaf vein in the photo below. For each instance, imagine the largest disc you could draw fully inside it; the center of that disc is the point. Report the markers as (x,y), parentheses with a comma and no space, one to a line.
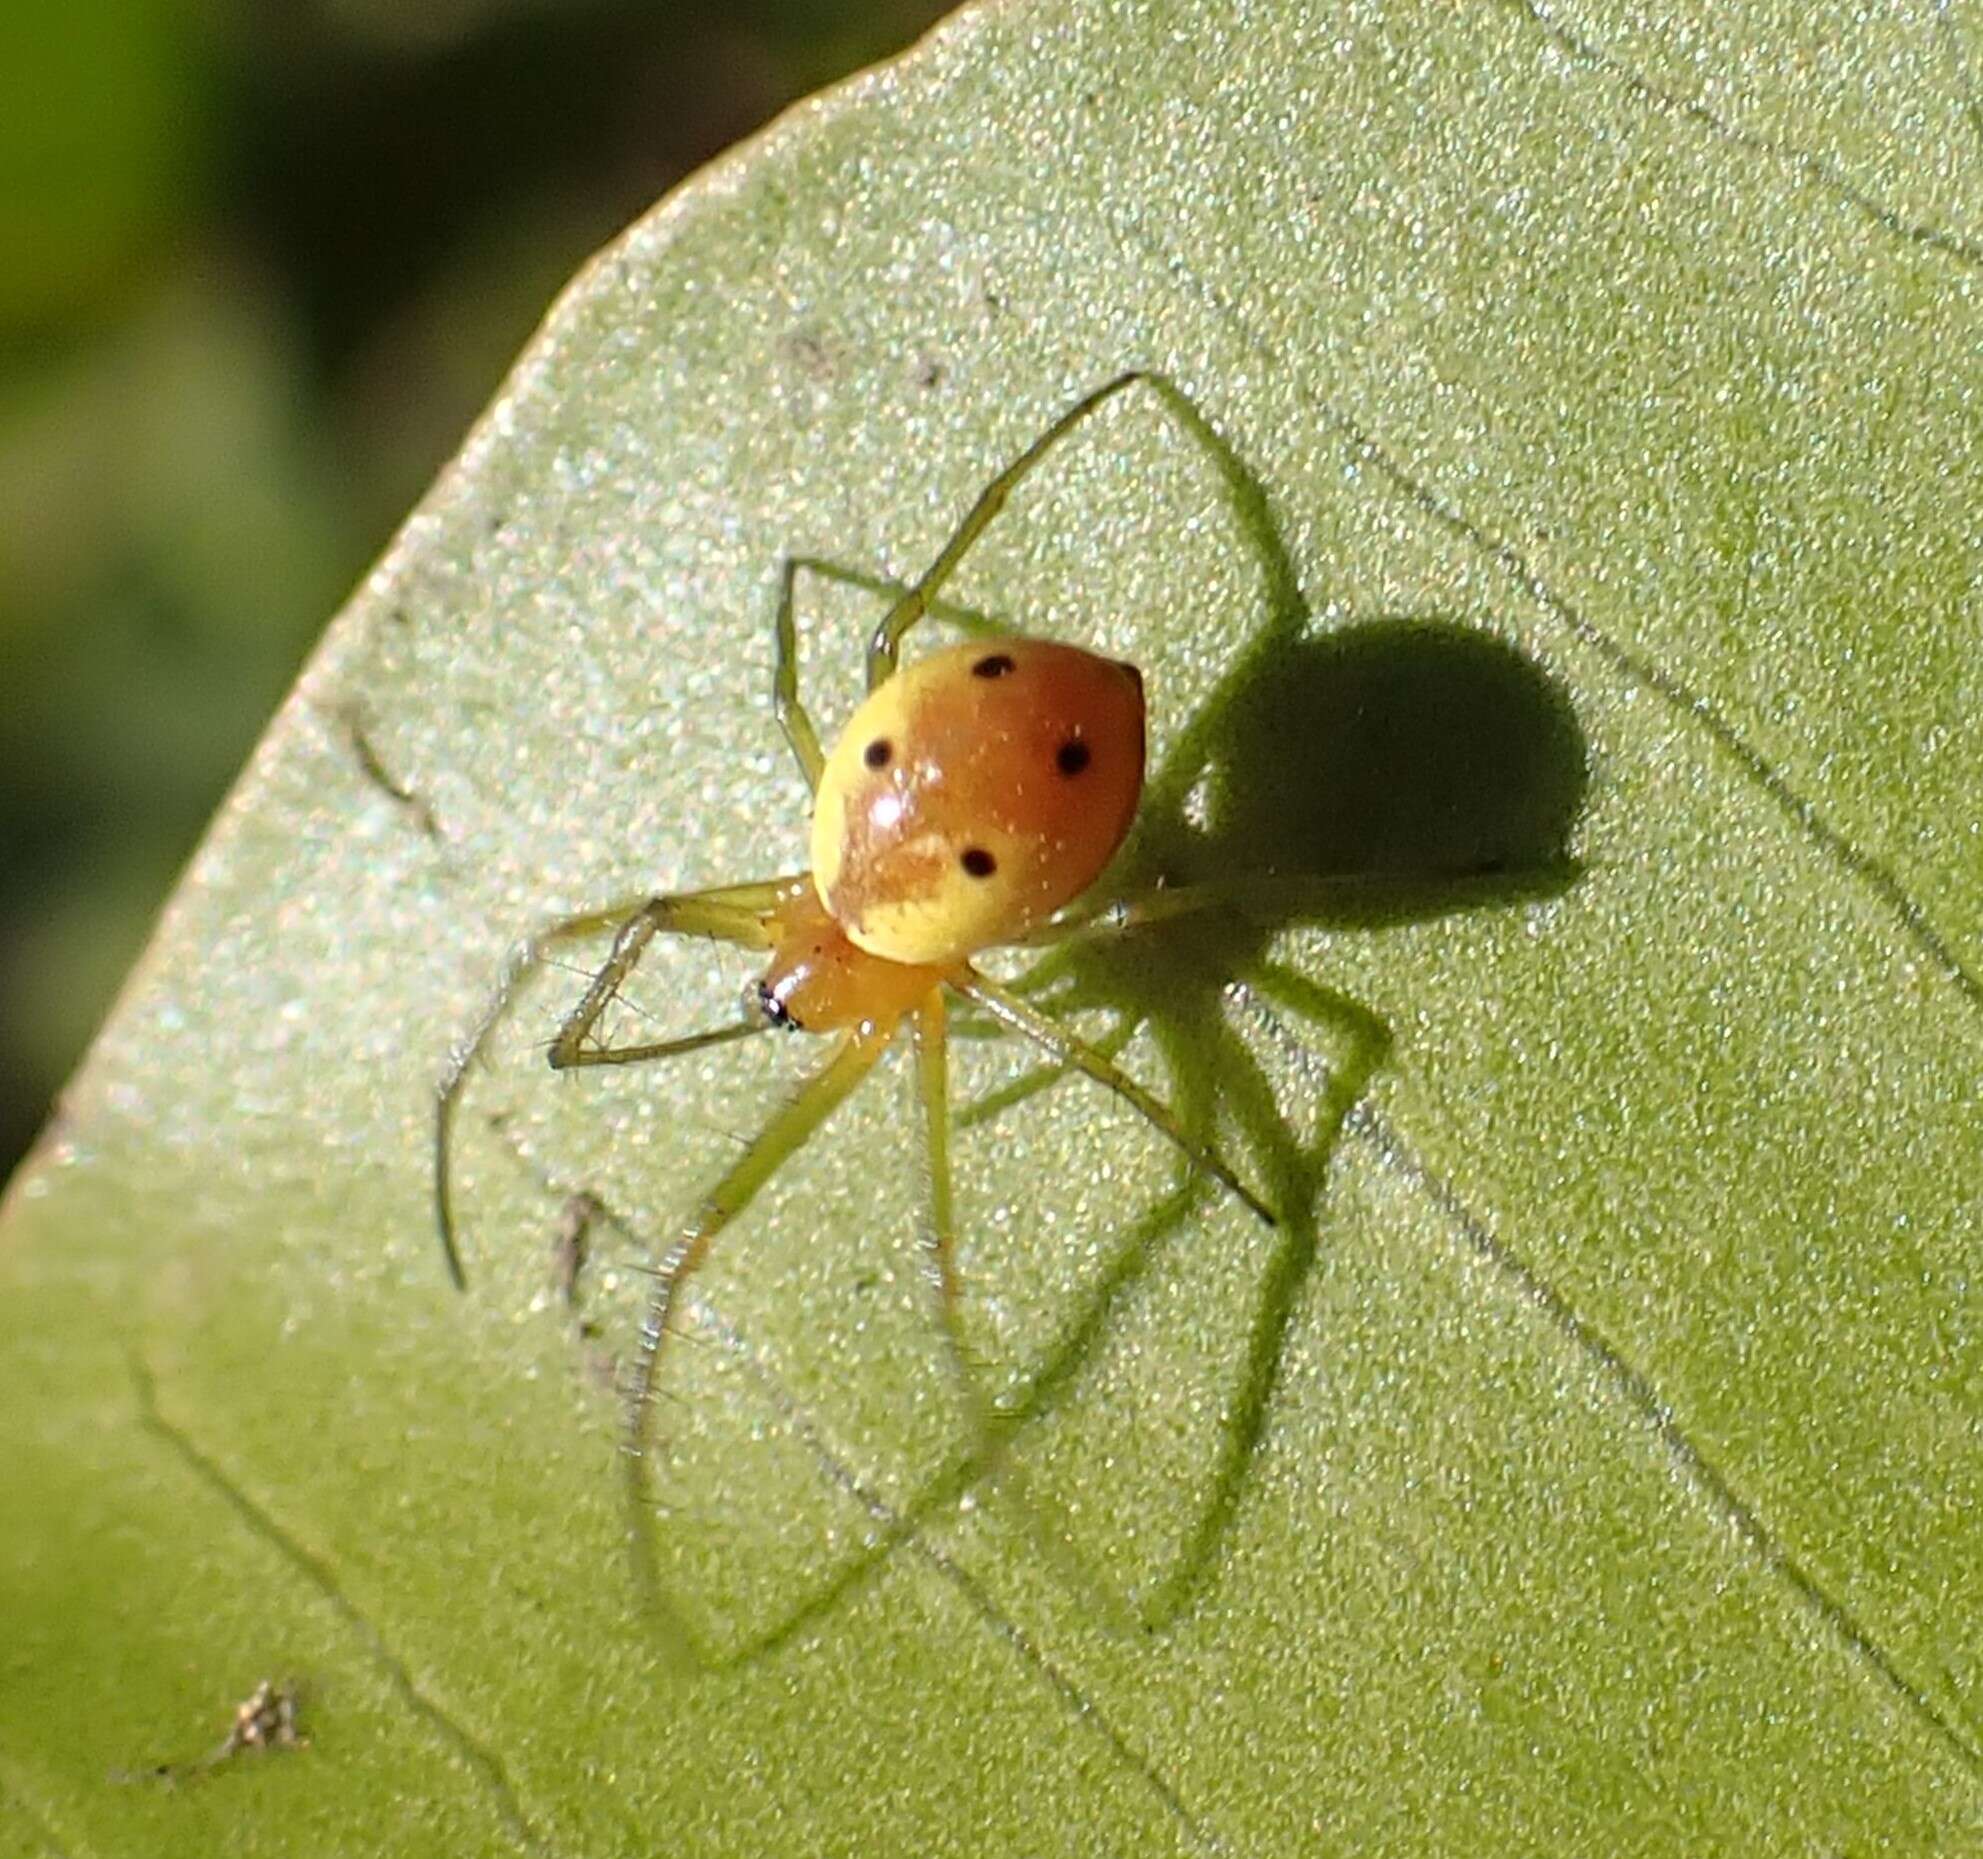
(1688,1456)
(481,1760)
(900,1530)
(1817,172)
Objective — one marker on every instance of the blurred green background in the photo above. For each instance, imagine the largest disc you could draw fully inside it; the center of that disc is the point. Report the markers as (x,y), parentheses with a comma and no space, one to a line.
(260,266)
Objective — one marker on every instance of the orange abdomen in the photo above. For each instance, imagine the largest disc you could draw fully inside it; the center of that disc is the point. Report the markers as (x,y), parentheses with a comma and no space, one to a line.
(974,794)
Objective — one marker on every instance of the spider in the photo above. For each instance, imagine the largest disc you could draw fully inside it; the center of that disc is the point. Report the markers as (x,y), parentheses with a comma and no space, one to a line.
(974,796)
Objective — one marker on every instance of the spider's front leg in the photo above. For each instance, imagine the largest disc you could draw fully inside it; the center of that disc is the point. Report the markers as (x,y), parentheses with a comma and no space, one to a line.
(735,913)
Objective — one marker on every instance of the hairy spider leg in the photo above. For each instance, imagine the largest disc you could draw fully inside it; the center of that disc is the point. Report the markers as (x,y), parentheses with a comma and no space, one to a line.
(736,914)
(733,913)
(780,1139)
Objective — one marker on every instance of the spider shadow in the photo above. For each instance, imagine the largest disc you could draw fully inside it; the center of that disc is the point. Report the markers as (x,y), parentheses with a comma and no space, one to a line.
(1390,771)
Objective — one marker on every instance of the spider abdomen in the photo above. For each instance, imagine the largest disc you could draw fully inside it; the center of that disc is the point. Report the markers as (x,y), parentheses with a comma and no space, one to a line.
(974,794)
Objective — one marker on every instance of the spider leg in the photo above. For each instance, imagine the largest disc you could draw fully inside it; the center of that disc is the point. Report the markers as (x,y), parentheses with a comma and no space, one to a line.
(1043,1077)
(940,1235)
(663,1048)
(1005,1006)
(779,1140)
(886,642)
(733,914)
(989,1426)
(785,700)
(969,620)
(1265,898)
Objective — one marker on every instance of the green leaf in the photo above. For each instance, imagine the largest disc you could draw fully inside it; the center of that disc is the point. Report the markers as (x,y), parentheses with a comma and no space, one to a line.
(1589,489)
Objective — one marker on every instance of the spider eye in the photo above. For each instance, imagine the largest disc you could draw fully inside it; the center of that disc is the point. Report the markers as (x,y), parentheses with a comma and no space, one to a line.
(878,753)
(762,996)
(995,666)
(978,862)
(1072,756)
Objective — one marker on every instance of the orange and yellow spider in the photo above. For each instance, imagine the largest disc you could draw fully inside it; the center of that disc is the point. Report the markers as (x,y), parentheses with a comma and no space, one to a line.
(973,794)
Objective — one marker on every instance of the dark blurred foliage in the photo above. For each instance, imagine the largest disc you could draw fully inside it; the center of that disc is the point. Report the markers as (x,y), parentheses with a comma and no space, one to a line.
(260,266)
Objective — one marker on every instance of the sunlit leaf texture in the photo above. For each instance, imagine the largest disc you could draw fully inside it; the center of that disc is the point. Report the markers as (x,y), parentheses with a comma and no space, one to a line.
(1573,558)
